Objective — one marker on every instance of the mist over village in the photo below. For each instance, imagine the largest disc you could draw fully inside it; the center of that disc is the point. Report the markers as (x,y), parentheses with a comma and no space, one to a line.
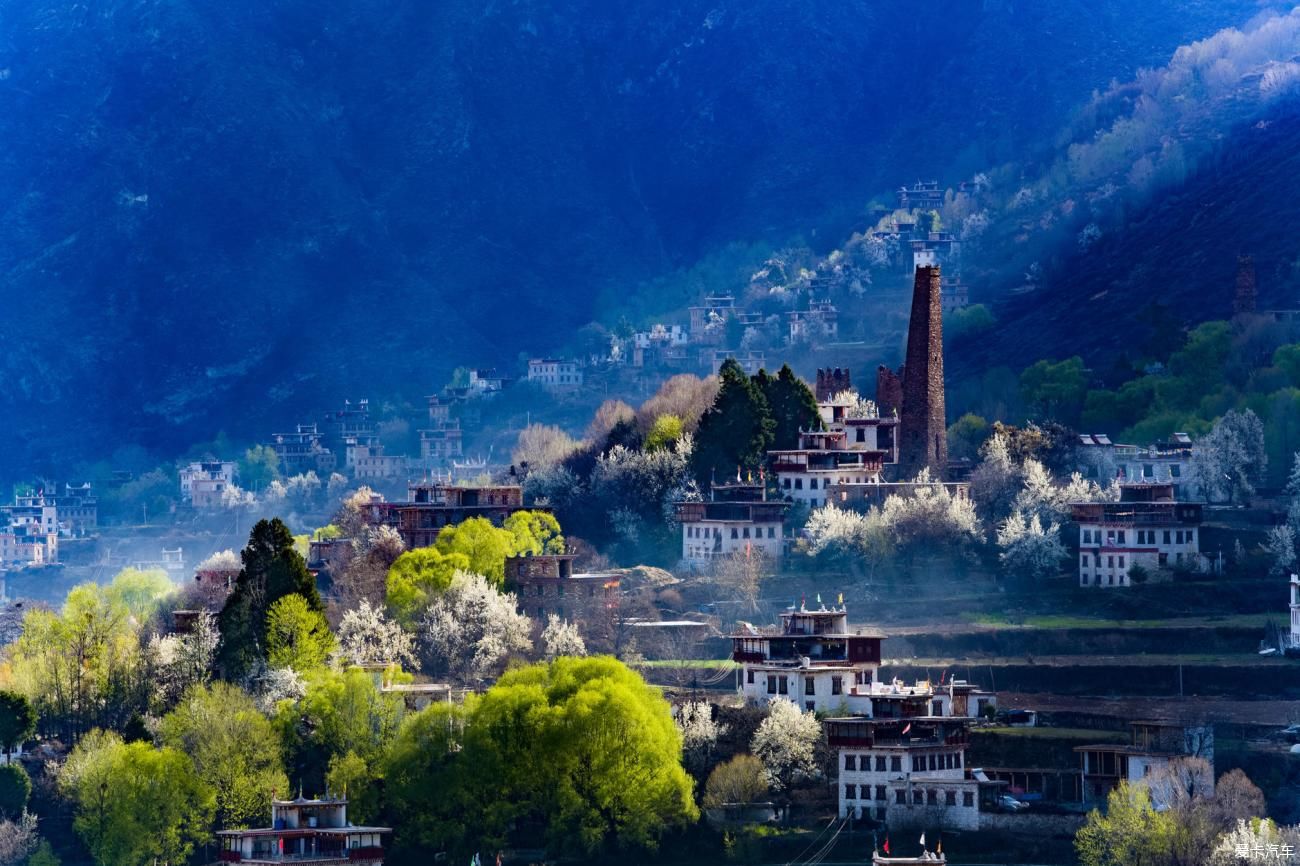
(805,434)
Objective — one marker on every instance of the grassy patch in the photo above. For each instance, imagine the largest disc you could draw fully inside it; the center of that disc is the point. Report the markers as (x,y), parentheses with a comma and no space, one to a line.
(692,664)
(1080,735)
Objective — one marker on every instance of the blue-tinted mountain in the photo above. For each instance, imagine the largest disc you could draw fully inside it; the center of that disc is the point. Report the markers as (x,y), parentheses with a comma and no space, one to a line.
(216,215)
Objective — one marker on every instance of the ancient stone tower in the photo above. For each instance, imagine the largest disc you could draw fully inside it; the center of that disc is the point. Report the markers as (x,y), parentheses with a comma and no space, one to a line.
(923,420)
(889,390)
(831,382)
(1247,295)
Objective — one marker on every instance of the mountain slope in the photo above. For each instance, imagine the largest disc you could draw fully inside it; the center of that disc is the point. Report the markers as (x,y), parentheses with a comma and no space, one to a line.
(213,214)
(1179,251)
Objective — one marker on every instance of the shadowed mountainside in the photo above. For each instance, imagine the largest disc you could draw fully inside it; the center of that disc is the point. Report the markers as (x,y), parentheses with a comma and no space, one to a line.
(215,215)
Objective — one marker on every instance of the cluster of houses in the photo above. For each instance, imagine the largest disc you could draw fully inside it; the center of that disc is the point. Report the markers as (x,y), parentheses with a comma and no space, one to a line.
(30,528)
(901,748)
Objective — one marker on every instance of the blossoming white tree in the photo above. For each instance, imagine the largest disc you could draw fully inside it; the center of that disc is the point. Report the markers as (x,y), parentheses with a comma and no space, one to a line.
(367,636)
(699,733)
(786,743)
(1230,459)
(562,638)
(471,629)
(1028,548)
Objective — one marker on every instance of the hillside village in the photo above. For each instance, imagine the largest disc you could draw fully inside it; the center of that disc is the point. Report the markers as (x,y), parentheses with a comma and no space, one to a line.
(859,608)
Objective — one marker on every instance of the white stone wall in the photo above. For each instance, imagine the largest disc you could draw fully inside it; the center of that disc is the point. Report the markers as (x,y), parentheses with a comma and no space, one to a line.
(700,537)
(756,682)
(1107,552)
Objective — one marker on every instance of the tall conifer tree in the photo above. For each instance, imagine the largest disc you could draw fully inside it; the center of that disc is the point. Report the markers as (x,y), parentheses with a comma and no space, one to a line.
(272,569)
(793,406)
(737,429)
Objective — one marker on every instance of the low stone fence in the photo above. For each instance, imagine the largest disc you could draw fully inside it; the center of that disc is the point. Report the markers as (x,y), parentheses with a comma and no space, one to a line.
(1031,823)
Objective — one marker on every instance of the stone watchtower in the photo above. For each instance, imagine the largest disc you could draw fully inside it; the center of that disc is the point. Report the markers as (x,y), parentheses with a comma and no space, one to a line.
(1247,296)
(923,418)
(831,382)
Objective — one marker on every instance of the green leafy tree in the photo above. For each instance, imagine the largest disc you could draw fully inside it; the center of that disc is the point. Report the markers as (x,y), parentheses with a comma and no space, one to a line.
(792,405)
(235,750)
(341,712)
(353,777)
(296,636)
(1198,367)
(967,321)
(741,780)
(141,592)
(484,545)
(430,785)
(44,855)
(737,429)
(136,804)
(82,667)
(966,436)
(535,533)
(17,720)
(417,577)
(1055,390)
(15,789)
(665,431)
(582,746)
(1130,833)
(259,466)
(1287,359)
(273,568)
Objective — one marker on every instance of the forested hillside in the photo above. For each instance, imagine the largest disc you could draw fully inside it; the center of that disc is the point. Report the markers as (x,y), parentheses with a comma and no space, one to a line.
(209,209)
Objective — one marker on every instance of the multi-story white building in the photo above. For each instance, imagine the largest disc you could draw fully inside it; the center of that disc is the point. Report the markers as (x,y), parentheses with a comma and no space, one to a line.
(1147,527)
(901,750)
(813,659)
(1289,641)
(554,374)
(33,511)
(204,482)
(25,545)
(441,445)
(902,755)
(817,323)
(368,462)
(736,519)
(303,451)
(660,346)
(853,448)
(76,509)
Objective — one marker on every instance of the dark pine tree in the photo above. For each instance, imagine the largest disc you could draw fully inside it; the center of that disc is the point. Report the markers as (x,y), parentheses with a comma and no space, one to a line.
(792,404)
(17,720)
(272,569)
(736,431)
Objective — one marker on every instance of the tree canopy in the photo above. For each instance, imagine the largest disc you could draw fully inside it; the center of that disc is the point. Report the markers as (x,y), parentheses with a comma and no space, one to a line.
(273,568)
(736,431)
(17,720)
(580,750)
(417,577)
(135,803)
(82,667)
(235,751)
(485,546)
(296,636)
(792,405)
